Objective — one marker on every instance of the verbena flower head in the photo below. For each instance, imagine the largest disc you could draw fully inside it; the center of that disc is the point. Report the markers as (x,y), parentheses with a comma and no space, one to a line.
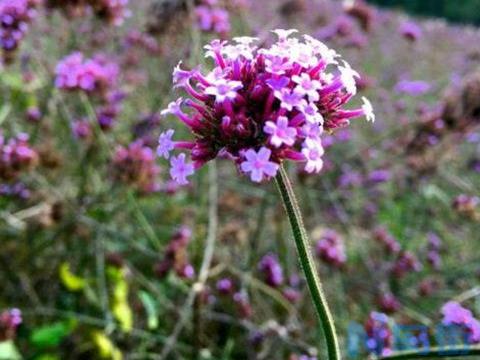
(379,339)
(96,75)
(212,19)
(261,106)
(16,155)
(112,11)
(410,31)
(10,320)
(330,249)
(15,16)
(455,314)
(271,269)
(135,165)
(176,256)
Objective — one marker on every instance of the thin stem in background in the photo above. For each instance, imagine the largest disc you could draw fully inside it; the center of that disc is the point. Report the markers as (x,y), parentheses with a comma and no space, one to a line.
(308,264)
(206,262)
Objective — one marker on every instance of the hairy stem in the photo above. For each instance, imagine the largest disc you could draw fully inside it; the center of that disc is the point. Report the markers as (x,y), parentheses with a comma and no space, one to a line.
(308,264)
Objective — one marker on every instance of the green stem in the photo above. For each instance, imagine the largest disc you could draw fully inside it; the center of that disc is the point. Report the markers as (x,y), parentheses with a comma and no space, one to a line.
(308,264)
(435,353)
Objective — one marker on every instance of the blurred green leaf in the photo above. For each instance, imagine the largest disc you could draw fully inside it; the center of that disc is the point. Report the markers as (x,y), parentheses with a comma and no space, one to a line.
(52,335)
(151,309)
(47,357)
(8,351)
(71,281)
(4,111)
(432,191)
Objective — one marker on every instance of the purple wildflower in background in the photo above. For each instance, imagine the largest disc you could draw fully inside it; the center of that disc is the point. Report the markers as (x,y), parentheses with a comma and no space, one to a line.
(16,155)
(405,263)
(81,129)
(115,11)
(388,303)
(135,165)
(17,190)
(212,18)
(15,17)
(410,30)
(467,205)
(176,256)
(96,75)
(413,88)
(33,114)
(259,107)
(379,176)
(379,334)
(389,243)
(330,249)
(271,270)
(455,314)
(225,286)
(244,307)
(10,320)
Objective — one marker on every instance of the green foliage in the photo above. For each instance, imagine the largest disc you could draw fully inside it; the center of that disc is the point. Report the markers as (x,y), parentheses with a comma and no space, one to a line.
(464,11)
(52,335)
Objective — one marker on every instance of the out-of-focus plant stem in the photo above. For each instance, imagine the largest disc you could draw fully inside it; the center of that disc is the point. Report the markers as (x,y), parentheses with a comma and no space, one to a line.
(203,275)
(308,264)
(436,353)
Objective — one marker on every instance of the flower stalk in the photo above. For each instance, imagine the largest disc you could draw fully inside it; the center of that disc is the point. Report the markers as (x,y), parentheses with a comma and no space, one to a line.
(307,262)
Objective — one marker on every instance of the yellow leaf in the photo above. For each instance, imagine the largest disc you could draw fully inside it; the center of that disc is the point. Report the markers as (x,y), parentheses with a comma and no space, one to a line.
(106,348)
(123,313)
(71,281)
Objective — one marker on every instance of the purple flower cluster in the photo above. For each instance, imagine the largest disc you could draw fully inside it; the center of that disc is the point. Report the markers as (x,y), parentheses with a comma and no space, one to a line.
(259,107)
(135,165)
(388,242)
(455,314)
(413,88)
(17,190)
(360,10)
(109,109)
(112,11)
(98,77)
(229,292)
(410,31)
(379,176)
(212,18)
(405,263)
(176,256)
(95,75)
(225,286)
(433,250)
(467,205)
(330,249)
(16,156)
(388,303)
(271,270)
(15,17)
(9,322)
(379,334)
